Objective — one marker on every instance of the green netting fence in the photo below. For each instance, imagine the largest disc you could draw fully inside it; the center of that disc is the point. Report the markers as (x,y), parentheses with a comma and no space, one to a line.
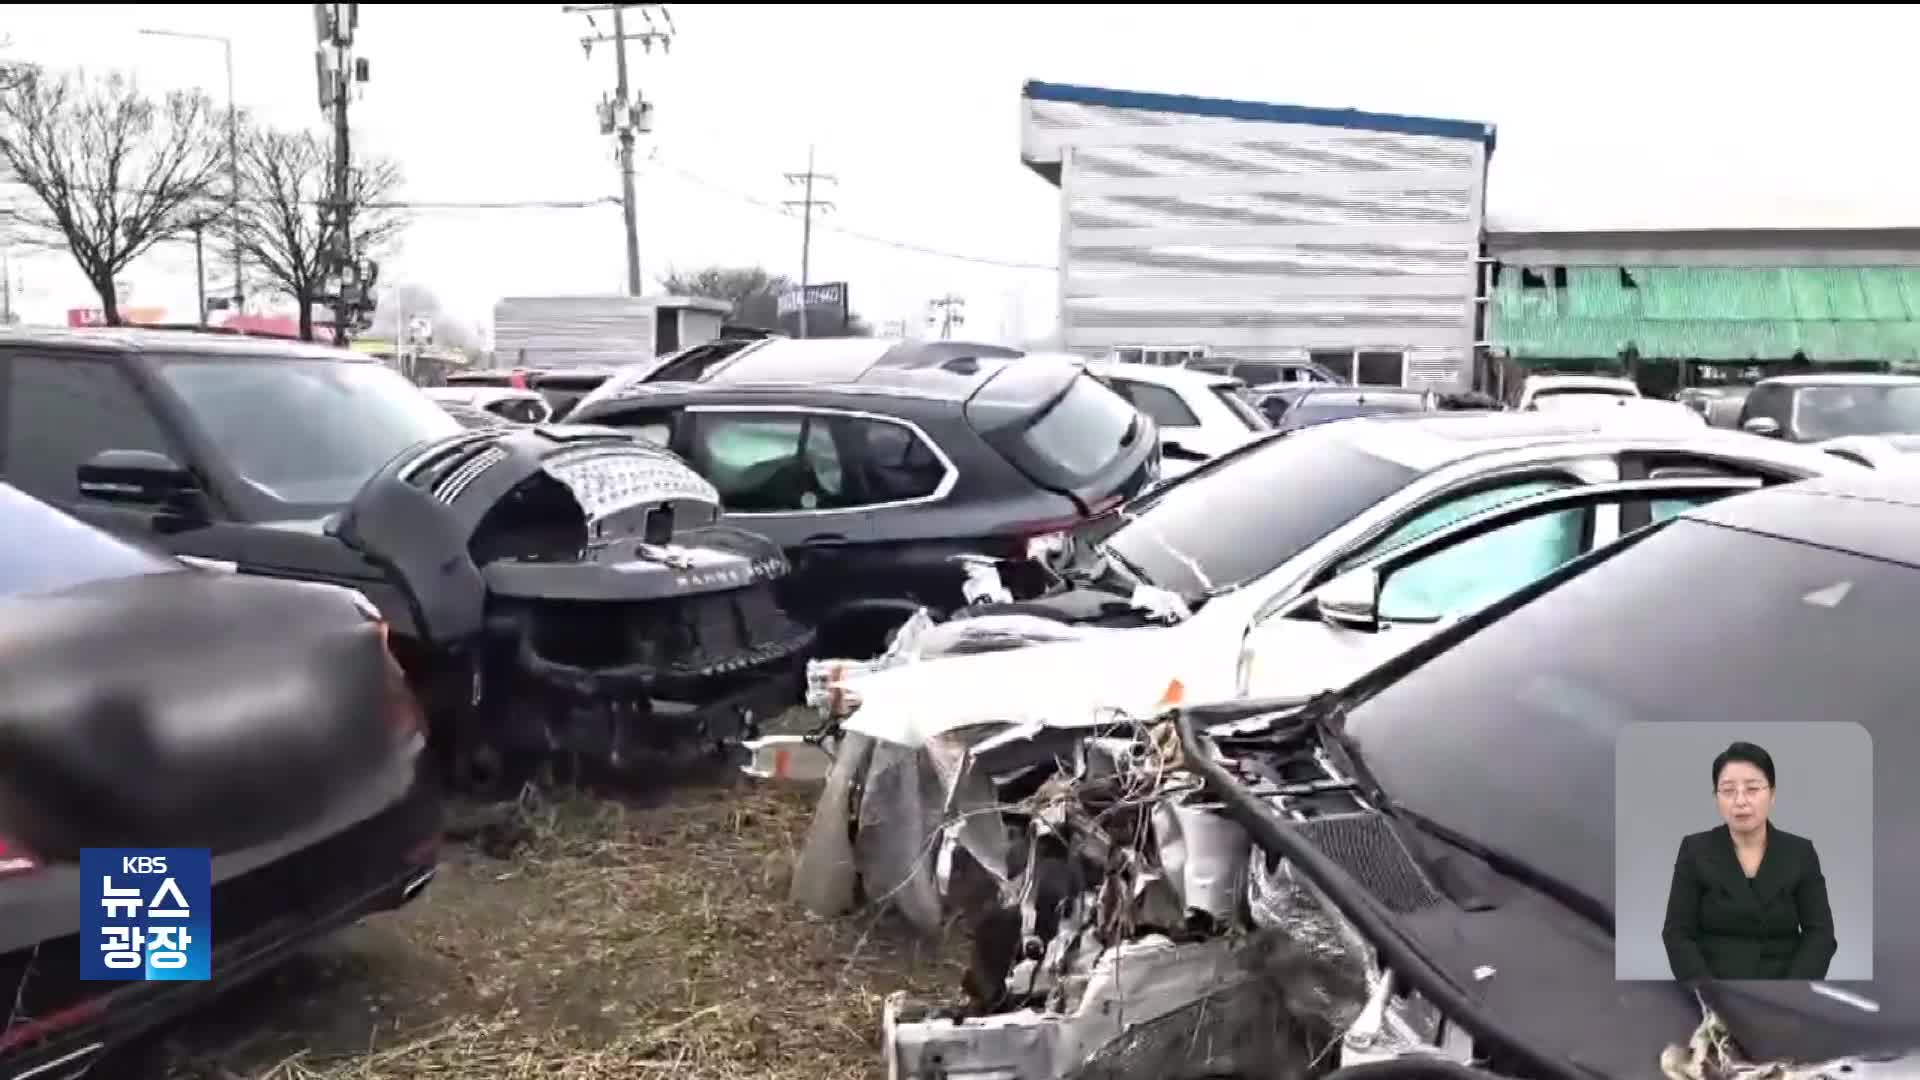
(1826,314)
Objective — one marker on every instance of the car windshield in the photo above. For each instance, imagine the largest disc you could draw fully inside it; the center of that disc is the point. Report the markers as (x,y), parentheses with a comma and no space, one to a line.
(1225,526)
(307,433)
(48,551)
(1507,737)
(1234,396)
(1827,412)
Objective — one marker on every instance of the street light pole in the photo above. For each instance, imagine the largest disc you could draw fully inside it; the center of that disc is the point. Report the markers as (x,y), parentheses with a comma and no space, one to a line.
(233,156)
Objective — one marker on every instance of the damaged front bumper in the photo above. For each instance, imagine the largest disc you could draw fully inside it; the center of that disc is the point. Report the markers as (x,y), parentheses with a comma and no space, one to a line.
(585,582)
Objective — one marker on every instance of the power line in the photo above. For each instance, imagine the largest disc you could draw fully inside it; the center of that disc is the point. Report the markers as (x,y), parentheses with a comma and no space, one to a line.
(901,245)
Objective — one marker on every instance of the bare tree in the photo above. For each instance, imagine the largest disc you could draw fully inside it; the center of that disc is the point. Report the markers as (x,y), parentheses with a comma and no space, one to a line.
(114,171)
(284,179)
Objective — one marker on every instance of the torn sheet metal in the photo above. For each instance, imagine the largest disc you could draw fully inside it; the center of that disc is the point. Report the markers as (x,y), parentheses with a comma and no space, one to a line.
(1224,1007)
(834,685)
(1091,678)
(983,584)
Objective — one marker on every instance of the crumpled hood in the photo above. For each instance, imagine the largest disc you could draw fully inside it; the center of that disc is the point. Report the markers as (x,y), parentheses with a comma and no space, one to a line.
(1056,684)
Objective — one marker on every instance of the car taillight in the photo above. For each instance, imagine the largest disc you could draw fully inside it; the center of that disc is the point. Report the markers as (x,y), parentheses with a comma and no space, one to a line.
(1048,536)
(15,859)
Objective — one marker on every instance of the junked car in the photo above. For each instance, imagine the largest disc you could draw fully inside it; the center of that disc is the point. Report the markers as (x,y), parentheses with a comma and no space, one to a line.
(1238,572)
(895,473)
(1412,875)
(1173,589)
(148,703)
(549,588)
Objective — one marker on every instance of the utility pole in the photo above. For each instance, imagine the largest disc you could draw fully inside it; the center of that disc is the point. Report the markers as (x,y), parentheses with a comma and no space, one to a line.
(200,270)
(807,204)
(952,312)
(348,284)
(628,114)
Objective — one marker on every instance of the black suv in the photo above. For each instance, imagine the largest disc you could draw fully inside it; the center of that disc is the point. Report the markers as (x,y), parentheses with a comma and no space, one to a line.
(874,462)
(557,587)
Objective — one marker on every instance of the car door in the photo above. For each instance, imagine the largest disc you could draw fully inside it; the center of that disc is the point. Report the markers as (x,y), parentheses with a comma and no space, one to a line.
(59,410)
(784,473)
(1391,600)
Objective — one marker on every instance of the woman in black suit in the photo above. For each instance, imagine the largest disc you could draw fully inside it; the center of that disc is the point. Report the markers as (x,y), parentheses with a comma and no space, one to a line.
(1748,900)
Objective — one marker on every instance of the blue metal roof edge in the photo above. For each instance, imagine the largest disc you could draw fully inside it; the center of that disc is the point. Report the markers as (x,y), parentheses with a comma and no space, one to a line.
(1228,109)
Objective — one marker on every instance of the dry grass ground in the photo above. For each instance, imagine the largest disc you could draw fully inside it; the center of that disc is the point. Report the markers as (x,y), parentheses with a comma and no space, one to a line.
(616,940)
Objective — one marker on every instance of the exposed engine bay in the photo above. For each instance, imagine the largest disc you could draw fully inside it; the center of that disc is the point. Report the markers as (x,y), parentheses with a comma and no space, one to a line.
(600,607)
(1128,917)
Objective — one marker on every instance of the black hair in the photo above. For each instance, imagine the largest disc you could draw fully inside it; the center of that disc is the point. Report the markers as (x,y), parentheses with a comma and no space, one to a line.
(1747,752)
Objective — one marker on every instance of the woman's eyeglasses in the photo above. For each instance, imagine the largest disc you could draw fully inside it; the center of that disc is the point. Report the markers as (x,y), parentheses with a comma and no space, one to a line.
(1751,791)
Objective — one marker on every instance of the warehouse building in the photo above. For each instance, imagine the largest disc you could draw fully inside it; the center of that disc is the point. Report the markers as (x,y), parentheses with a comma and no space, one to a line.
(1200,227)
(1683,292)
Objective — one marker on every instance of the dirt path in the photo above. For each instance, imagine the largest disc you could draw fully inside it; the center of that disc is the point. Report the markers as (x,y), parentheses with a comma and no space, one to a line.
(616,941)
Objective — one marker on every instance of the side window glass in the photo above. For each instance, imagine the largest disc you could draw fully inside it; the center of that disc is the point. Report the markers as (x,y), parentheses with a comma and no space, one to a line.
(1161,404)
(899,464)
(1477,572)
(1454,510)
(61,412)
(770,464)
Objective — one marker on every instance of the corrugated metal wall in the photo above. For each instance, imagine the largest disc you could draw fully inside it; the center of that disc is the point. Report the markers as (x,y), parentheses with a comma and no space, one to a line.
(1263,240)
(572,331)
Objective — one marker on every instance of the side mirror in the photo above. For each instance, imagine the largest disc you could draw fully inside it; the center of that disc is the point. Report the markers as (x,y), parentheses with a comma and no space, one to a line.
(138,478)
(1762,425)
(1350,601)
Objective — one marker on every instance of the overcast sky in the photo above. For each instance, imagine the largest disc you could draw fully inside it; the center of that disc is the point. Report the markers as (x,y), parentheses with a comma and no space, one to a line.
(1614,109)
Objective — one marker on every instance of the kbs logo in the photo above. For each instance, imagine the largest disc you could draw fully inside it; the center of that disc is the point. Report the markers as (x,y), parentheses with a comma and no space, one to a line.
(145,914)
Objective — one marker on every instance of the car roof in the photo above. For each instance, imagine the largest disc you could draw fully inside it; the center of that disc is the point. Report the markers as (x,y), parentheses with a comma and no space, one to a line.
(1842,378)
(903,367)
(1429,440)
(1164,375)
(833,360)
(134,339)
(1872,513)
